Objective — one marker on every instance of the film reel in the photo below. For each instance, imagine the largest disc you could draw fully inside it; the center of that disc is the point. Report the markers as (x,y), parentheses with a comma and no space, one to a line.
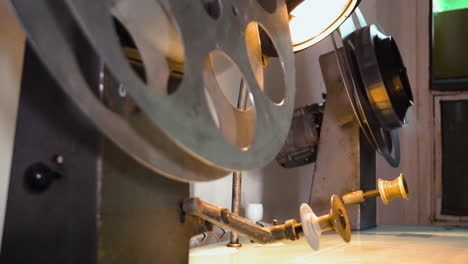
(172,133)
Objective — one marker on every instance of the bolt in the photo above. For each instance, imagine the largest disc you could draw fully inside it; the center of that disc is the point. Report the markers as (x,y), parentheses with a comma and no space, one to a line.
(226,215)
(59,159)
(122,90)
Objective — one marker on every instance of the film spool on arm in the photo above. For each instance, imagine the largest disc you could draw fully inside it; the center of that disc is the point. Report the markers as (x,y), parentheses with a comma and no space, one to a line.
(312,226)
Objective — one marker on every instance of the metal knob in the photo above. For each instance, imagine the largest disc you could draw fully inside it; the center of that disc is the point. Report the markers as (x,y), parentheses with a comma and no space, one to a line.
(38,177)
(388,190)
(337,220)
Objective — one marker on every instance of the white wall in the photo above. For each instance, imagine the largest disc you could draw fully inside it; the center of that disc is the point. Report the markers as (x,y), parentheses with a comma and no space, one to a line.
(11,57)
(409,22)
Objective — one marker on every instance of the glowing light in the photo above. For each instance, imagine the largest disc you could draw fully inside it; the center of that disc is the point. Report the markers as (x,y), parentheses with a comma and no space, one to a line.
(313,20)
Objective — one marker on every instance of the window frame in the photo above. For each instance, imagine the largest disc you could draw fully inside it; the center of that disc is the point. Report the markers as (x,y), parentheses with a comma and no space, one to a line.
(438,217)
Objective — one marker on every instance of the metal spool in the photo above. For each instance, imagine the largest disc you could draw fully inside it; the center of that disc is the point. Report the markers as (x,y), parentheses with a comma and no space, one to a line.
(379,66)
(173,134)
(377,86)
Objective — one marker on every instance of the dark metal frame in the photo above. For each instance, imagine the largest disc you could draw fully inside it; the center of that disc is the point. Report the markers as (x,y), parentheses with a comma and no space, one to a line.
(105,208)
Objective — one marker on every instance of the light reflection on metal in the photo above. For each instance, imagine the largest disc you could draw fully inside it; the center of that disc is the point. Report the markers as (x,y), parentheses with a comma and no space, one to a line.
(313,20)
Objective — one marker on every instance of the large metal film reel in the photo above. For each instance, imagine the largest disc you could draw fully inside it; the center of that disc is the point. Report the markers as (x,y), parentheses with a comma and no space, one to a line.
(380,107)
(386,143)
(379,64)
(174,134)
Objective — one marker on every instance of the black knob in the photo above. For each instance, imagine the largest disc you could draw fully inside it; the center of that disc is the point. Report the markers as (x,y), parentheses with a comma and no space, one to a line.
(38,177)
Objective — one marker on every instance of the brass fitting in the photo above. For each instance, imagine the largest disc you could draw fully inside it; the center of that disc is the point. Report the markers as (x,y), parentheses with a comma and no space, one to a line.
(337,220)
(388,190)
(354,197)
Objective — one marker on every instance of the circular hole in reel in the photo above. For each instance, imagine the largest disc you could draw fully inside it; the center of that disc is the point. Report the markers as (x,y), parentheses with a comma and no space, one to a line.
(229,100)
(157,56)
(268,70)
(102,82)
(212,8)
(130,50)
(269,5)
(342,219)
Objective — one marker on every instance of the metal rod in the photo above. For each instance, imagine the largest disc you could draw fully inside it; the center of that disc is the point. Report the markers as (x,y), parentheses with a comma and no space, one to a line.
(243,98)
(242,226)
(290,230)
(236,204)
(370,194)
(242,102)
(324,222)
(359,196)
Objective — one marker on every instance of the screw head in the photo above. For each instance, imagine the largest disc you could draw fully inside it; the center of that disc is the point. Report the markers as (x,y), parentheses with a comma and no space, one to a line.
(59,159)
(226,215)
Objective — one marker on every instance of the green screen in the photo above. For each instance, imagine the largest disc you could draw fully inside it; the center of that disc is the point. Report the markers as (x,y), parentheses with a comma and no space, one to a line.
(447,5)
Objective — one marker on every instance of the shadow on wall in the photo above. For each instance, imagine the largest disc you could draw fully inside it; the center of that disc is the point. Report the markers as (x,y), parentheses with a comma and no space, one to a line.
(284,190)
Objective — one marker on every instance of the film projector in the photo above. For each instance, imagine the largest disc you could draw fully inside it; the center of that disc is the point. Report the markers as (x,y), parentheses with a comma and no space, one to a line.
(124,104)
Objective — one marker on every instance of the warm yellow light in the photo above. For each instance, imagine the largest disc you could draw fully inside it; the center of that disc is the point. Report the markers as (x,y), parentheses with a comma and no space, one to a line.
(313,20)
